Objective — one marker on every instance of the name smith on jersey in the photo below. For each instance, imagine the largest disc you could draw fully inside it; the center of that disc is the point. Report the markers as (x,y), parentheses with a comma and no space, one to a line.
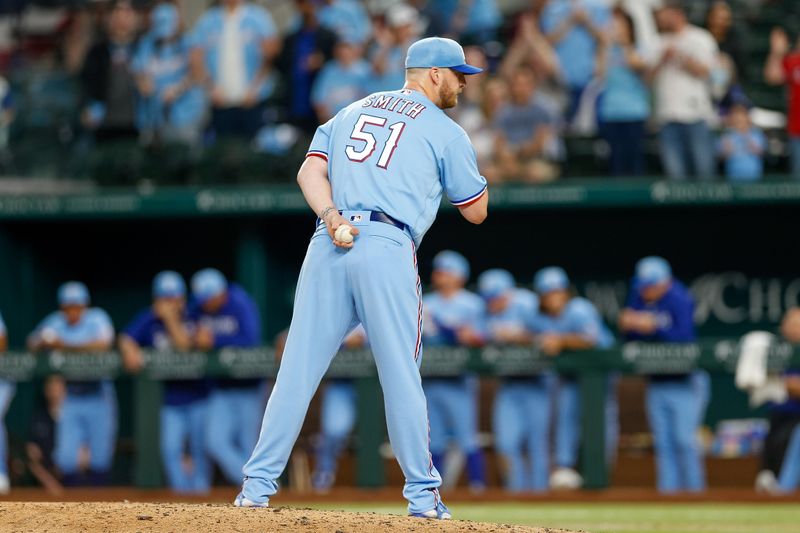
(399,105)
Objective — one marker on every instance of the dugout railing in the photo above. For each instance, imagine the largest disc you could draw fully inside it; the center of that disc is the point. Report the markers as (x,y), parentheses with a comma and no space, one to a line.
(591,368)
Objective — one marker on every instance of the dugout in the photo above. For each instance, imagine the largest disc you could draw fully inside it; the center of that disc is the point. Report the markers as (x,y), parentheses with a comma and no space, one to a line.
(731,243)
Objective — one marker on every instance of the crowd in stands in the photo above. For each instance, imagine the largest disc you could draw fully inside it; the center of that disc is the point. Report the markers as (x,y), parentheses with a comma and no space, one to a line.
(127,91)
(536,419)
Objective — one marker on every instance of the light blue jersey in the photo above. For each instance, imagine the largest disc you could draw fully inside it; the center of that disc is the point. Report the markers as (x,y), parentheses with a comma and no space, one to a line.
(255,25)
(167,65)
(578,317)
(338,86)
(347,19)
(407,153)
(88,416)
(576,50)
(93,326)
(523,305)
(445,316)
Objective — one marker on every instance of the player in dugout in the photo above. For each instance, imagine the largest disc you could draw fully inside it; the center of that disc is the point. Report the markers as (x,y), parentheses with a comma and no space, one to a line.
(165,325)
(89,415)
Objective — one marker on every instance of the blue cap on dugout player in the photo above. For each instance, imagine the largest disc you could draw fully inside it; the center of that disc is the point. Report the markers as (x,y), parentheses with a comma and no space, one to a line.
(168,284)
(207,284)
(494,283)
(73,293)
(439,52)
(652,270)
(550,279)
(451,262)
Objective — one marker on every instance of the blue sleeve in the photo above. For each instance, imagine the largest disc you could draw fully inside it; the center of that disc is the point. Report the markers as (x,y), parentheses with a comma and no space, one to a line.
(249,333)
(320,144)
(682,327)
(103,328)
(141,57)
(138,330)
(585,321)
(461,179)
(50,321)
(2,327)
(265,26)
(251,325)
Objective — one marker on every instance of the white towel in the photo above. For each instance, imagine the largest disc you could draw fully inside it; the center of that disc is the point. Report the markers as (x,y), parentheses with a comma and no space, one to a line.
(751,370)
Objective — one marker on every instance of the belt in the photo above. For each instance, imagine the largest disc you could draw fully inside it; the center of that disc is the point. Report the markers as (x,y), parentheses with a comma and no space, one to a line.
(377,216)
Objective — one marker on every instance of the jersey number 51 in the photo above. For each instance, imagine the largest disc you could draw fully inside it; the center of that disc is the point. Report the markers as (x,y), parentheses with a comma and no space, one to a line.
(358,134)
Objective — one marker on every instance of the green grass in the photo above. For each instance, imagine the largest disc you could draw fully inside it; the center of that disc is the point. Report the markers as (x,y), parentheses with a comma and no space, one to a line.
(622,517)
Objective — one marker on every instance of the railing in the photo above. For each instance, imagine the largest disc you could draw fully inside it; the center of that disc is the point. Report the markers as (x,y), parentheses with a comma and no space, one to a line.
(590,367)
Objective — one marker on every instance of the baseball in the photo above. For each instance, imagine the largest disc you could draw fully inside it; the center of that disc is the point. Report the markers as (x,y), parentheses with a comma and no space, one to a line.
(343,234)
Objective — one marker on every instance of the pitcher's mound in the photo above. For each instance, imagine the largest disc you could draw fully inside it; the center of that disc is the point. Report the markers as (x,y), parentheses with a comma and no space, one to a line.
(208,518)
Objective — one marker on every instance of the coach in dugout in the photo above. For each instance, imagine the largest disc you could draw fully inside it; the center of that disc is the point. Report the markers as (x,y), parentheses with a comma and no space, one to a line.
(89,415)
(660,309)
(226,316)
(165,325)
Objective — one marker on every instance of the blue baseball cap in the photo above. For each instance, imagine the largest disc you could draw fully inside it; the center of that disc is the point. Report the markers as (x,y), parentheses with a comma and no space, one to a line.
(73,293)
(439,52)
(207,284)
(452,262)
(550,279)
(165,21)
(652,270)
(168,284)
(494,283)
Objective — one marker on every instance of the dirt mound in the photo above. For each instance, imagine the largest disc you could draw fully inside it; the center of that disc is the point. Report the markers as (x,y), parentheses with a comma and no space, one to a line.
(207,518)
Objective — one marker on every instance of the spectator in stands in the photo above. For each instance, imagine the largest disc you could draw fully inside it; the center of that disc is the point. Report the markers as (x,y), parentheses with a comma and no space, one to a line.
(172,104)
(303,56)
(566,322)
(719,22)
(341,81)
(526,141)
(165,326)
(226,316)
(452,317)
(6,394)
(388,57)
(783,67)
(108,80)
(530,47)
(742,146)
(89,416)
(625,104)
(476,111)
(347,19)
(521,417)
(338,415)
(233,47)
(42,438)
(683,104)
(780,458)
(473,22)
(660,309)
(576,28)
